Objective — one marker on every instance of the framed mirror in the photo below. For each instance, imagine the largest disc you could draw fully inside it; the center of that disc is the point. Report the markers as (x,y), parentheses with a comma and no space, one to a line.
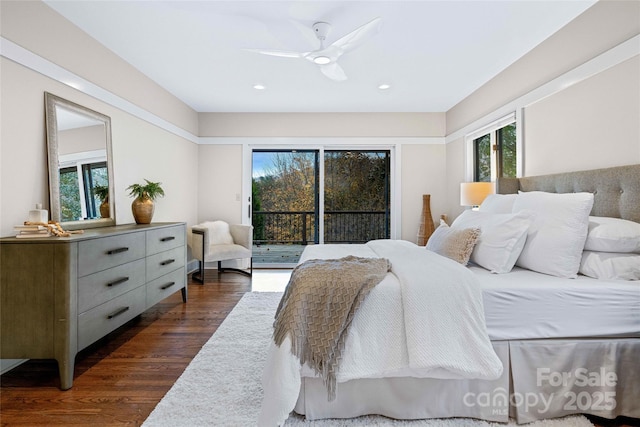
(81,192)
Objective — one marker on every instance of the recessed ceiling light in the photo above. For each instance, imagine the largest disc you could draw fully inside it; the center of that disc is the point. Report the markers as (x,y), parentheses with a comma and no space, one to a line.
(322,60)
(384,86)
(259,86)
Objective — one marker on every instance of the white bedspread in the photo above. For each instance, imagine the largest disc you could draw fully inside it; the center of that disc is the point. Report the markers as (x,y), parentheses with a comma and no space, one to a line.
(425,319)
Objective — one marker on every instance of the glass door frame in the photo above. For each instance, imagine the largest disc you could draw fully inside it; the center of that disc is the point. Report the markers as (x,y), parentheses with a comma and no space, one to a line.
(387,187)
(316,190)
(322,144)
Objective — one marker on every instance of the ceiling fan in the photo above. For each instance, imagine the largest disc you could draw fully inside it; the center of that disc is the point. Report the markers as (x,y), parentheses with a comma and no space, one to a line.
(326,57)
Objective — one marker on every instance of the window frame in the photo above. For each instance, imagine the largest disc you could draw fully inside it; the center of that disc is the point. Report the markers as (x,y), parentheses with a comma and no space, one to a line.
(393,176)
(329,143)
(491,129)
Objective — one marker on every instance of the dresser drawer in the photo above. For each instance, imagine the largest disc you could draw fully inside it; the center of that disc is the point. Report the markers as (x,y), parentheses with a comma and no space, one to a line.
(162,287)
(165,262)
(163,239)
(97,322)
(99,254)
(100,287)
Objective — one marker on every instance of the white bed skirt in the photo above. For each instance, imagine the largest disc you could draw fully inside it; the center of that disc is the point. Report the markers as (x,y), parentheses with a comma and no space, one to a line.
(542,379)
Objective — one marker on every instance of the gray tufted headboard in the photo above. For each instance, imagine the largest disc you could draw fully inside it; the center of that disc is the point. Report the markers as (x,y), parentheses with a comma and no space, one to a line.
(616,190)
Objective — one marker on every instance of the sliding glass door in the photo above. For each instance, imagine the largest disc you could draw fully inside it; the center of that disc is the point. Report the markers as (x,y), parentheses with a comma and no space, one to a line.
(302,197)
(356,196)
(284,201)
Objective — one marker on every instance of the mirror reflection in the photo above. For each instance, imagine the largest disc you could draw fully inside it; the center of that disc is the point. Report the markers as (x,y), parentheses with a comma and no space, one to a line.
(79,147)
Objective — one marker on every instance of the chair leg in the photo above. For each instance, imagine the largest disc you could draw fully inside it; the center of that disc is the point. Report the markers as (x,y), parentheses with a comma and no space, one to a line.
(237,270)
(199,277)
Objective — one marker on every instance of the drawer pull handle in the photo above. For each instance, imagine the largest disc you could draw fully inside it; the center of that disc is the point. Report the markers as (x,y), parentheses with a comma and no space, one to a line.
(167,262)
(167,286)
(117,282)
(166,239)
(117,313)
(117,251)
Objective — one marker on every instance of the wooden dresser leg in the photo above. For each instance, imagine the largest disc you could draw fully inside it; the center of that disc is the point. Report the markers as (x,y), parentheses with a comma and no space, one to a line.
(66,373)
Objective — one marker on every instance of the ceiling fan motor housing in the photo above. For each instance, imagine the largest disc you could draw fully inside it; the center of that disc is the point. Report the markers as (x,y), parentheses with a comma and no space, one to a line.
(322,30)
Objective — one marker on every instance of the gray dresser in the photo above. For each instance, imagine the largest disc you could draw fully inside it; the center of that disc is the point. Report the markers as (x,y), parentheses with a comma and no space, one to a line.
(59,295)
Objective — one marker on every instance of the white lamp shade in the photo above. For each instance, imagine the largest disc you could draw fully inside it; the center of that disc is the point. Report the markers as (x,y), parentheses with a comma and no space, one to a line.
(474,193)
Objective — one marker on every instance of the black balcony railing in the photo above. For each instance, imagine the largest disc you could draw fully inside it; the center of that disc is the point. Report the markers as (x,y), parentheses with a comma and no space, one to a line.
(284,227)
(300,227)
(355,226)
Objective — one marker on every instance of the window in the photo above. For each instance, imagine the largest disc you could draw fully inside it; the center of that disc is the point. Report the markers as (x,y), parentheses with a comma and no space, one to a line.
(495,151)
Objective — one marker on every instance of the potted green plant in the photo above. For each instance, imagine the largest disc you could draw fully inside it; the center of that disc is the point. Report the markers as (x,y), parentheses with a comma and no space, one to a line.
(143,204)
(102,193)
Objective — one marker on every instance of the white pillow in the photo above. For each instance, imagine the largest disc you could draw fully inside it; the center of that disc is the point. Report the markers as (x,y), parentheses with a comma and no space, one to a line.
(612,235)
(219,233)
(498,203)
(501,239)
(610,266)
(453,244)
(556,237)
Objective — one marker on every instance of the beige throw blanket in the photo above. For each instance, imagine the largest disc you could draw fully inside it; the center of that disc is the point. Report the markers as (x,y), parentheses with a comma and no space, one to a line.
(318,306)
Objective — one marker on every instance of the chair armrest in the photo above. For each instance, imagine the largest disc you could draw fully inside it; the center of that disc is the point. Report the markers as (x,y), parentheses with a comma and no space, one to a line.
(242,235)
(200,241)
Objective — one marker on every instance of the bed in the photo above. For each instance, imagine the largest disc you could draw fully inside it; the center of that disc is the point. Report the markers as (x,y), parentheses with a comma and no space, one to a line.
(567,343)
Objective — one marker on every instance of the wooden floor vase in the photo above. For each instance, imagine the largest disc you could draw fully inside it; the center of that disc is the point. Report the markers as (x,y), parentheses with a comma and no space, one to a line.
(426,221)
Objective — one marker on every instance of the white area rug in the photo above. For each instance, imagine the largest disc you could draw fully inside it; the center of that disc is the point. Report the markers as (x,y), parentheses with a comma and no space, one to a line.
(221,386)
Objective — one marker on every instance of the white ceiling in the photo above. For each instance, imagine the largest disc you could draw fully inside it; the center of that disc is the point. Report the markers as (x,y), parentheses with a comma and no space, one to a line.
(432,53)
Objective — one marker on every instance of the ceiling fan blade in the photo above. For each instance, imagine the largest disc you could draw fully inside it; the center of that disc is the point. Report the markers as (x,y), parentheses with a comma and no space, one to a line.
(333,71)
(358,36)
(280,53)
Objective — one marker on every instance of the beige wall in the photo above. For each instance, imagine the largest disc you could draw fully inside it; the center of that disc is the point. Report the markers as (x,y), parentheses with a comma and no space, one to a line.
(220,178)
(140,149)
(594,124)
(322,124)
(423,171)
(455,174)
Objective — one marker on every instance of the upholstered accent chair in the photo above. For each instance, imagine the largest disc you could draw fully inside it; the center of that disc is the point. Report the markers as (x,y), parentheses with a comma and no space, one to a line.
(218,241)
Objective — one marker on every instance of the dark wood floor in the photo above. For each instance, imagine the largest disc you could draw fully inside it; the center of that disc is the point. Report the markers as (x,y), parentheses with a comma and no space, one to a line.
(121,378)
